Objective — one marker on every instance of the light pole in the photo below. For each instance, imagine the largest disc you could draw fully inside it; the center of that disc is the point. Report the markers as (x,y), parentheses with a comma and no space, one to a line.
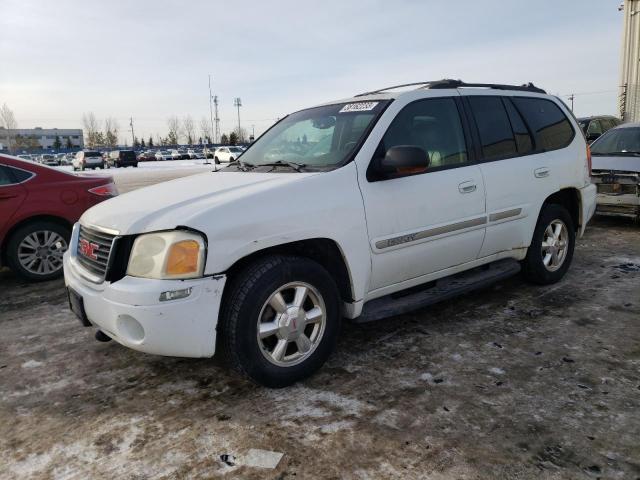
(238,103)
(211,110)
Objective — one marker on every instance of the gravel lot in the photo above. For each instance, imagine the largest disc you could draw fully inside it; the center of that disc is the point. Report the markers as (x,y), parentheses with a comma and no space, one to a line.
(515,381)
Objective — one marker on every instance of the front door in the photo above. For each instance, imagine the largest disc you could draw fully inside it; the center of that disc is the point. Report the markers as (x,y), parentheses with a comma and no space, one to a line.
(429,220)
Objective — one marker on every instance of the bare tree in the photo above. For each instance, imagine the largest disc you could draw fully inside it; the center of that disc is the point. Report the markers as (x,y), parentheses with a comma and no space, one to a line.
(8,121)
(205,130)
(92,132)
(241,134)
(189,129)
(173,136)
(111,128)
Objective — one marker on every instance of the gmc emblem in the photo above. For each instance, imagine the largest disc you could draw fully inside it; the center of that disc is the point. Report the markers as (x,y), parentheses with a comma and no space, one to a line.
(88,249)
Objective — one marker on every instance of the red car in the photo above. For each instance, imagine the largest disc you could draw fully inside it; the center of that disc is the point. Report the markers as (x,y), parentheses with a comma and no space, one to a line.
(38,207)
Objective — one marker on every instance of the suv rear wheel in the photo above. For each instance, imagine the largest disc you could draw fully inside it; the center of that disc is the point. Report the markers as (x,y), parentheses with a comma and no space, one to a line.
(280,320)
(551,250)
(35,250)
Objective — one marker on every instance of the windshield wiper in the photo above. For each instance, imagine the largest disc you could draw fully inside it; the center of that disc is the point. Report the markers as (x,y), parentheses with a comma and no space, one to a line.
(244,166)
(296,166)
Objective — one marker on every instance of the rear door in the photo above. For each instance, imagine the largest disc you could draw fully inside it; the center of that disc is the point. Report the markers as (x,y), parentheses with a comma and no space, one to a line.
(521,145)
(430,220)
(12,195)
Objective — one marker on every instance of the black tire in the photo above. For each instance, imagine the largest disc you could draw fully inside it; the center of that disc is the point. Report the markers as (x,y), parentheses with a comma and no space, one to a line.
(244,299)
(533,266)
(230,159)
(19,235)
(215,159)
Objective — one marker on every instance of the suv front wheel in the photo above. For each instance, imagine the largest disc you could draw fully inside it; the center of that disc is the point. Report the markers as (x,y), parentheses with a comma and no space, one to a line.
(280,320)
(551,250)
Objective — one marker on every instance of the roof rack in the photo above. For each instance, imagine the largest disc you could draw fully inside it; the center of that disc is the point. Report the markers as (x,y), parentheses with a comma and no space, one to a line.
(449,83)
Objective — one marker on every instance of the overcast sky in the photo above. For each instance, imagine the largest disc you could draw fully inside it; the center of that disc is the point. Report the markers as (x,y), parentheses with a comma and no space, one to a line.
(150,59)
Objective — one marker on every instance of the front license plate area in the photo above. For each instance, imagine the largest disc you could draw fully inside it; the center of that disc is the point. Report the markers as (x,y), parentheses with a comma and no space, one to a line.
(76,304)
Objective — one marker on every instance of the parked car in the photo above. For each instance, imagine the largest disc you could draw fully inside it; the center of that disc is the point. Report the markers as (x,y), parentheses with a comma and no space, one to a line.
(122,158)
(616,171)
(420,195)
(88,159)
(595,126)
(195,154)
(49,160)
(176,155)
(26,157)
(208,153)
(148,156)
(66,159)
(164,155)
(38,207)
(227,154)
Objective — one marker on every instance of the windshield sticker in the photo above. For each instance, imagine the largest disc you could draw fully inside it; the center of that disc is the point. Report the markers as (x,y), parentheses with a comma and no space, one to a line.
(358,107)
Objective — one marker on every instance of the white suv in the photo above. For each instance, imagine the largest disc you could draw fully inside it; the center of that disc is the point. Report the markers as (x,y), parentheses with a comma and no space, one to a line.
(227,154)
(360,208)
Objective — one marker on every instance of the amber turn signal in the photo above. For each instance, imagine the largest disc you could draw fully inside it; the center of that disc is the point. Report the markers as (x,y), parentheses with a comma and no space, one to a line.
(183,258)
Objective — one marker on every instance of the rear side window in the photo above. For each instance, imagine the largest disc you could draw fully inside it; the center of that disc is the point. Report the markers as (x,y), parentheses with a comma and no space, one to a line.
(128,155)
(5,176)
(551,128)
(20,175)
(494,127)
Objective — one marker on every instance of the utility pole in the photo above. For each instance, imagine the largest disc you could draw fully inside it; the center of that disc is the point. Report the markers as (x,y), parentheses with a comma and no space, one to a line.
(237,102)
(216,137)
(133,135)
(211,109)
(571,97)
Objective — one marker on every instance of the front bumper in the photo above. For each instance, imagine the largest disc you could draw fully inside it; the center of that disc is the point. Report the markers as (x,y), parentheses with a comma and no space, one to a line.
(130,311)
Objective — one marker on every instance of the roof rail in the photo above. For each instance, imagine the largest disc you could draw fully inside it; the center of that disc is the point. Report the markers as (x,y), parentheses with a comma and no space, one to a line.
(449,83)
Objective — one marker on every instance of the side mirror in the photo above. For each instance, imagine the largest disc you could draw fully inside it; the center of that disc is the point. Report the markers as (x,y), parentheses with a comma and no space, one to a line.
(403,159)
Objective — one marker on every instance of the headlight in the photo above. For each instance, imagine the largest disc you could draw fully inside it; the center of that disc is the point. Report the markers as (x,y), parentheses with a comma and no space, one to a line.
(176,254)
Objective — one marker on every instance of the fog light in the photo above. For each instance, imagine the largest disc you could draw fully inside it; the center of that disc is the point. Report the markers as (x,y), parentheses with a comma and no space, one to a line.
(175,294)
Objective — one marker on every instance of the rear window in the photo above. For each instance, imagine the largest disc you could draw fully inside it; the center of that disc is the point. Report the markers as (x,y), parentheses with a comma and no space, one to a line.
(128,155)
(551,127)
(92,154)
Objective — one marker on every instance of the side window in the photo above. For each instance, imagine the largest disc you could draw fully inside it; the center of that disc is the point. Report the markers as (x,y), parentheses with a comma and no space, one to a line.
(524,142)
(594,127)
(20,175)
(433,125)
(494,127)
(5,176)
(551,128)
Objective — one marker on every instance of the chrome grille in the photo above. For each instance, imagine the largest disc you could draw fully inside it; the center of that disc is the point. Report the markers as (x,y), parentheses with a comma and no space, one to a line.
(103,241)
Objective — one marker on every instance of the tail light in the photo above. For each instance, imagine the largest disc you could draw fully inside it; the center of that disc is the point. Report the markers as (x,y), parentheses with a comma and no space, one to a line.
(107,190)
(589,159)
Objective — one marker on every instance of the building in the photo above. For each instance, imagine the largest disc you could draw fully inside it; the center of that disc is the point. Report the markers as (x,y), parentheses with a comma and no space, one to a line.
(630,71)
(41,138)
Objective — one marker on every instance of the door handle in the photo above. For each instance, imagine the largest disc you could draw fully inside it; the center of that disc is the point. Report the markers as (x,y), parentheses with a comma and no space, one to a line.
(541,172)
(467,187)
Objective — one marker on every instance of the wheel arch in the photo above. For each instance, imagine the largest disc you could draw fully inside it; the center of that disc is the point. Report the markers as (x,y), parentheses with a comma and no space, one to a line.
(324,251)
(570,199)
(33,219)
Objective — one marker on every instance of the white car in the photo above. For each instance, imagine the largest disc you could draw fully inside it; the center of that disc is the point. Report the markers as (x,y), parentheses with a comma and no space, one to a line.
(616,171)
(87,159)
(195,154)
(360,208)
(163,155)
(227,154)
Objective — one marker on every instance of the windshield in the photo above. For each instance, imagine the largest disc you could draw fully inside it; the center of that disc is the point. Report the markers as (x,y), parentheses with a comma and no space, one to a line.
(321,137)
(619,141)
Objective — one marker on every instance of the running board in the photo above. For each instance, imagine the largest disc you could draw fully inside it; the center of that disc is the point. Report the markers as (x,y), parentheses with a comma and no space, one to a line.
(442,289)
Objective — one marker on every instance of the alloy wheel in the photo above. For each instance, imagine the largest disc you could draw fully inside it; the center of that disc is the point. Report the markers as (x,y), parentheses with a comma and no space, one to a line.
(40,252)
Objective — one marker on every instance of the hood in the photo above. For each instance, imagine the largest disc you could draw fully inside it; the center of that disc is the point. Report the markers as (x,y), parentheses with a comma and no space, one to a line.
(170,204)
(620,163)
